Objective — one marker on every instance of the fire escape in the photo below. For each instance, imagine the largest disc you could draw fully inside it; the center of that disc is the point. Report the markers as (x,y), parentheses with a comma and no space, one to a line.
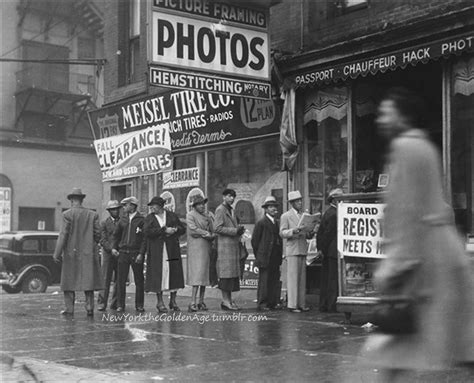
(55,90)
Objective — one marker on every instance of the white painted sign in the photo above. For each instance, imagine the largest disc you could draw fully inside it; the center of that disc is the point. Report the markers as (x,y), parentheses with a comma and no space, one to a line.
(360,230)
(5,209)
(181,178)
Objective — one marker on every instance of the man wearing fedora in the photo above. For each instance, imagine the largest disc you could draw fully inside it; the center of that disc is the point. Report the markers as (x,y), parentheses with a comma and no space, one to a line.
(267,247)
(164,268)
(109,261)
(129,248)
(78,247)
(326,238)
(296,249)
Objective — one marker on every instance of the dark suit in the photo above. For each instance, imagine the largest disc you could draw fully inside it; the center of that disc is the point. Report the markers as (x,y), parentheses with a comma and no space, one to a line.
(268,248)
(129,241)
(109,261)
(327,242)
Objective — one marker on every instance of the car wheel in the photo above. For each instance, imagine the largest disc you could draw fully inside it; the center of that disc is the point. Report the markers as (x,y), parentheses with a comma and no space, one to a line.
(10,289)
(34,282)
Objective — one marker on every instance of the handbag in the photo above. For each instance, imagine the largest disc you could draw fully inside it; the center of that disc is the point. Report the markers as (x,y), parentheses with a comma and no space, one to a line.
(396,313)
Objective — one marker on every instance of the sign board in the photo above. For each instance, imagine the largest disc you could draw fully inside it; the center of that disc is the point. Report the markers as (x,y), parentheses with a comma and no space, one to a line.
(135,153)
(250,277)
(181,178)
(195,119)
(360,230)
(212,37)
(5,209)
(381,63)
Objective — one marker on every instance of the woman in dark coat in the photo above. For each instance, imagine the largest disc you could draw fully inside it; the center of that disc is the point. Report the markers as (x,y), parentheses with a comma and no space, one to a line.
(164,268)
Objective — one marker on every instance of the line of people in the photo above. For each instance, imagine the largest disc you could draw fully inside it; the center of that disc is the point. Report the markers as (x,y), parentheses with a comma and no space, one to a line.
(126,238)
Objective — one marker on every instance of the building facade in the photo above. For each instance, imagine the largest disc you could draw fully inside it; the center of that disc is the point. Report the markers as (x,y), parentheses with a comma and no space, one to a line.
(50,78)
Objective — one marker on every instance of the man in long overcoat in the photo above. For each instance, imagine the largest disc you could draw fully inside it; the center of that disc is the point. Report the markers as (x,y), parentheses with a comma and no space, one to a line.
(327,243)
(109,261)
(78,247)
(228,249)
(267,247)
(164,271)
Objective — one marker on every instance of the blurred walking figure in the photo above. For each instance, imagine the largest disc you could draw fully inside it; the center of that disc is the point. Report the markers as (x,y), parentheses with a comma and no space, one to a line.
(419,227)
(199,238)
(296,249)
(268,249)
(164,267)
(109,261)
(129,248)
(78,247)
(228,249)
(326,239)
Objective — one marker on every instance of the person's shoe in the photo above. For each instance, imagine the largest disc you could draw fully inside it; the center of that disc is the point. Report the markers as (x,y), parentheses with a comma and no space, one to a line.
(304,309)
(90,313)
(294,310)
(278,306)
(174,306)
(113,307)
(228,308)
(66,313)
(140,309)
(263,308)
(120,309)
(202,306)
(192,308)
(162,309)
(234,305)
(101,308)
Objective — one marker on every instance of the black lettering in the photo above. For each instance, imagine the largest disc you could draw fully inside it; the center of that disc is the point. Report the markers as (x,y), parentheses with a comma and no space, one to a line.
(242,62)
(257,41)
(162,24)
(345,226)
(212,45)
(185,40)
(223,36)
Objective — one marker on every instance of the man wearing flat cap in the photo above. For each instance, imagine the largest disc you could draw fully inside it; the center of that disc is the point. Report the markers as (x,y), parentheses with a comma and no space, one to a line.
(228,249)
(267,246)
(78,247)
(326,239)
(296,249)
(129,247)
(109,261)
(164,267)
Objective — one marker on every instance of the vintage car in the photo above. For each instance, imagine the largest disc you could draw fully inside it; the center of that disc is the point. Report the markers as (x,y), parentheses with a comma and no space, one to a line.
(27,261)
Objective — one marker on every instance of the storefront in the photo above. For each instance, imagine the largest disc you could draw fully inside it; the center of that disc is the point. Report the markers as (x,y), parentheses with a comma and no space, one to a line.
(336,104)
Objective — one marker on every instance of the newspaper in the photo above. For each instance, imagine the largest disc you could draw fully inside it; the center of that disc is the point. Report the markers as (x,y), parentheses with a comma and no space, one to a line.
(308,222)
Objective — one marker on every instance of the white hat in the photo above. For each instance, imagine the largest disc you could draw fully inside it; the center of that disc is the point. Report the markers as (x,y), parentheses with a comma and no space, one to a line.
(131,199)
(334,193)
(294,195)
(269,201)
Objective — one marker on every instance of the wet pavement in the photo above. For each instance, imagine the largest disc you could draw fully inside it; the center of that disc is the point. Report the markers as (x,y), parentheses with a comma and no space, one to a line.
(38,344)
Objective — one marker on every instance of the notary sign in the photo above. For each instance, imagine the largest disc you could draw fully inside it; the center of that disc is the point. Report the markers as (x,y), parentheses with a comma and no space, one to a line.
(136,153)
(181,178)
(213,37)
(360,230)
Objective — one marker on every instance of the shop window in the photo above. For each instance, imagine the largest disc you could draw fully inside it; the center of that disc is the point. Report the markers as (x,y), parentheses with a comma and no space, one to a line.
(462,142)
(325,118)
(129,42)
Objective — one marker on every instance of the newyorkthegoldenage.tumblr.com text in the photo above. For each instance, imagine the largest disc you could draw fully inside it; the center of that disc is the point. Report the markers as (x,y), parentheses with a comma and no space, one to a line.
(183,317)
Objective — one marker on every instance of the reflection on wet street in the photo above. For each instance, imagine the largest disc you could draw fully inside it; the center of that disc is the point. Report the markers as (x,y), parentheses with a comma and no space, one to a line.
(248,345)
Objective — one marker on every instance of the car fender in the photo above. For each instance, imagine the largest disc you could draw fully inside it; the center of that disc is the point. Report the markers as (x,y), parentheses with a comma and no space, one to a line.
(25,270)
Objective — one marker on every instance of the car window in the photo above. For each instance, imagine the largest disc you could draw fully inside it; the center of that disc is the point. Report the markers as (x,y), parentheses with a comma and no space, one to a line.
(5,243)
(50,245)
(30,246)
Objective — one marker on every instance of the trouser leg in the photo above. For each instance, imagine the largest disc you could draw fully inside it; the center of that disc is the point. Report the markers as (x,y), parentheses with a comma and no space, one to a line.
(292,282)
(332,284)
(262,287)
(107,271)
(323,289)
(69,298)
(89,300)
(122,273)
(273,284)
(302,282)
(139,284)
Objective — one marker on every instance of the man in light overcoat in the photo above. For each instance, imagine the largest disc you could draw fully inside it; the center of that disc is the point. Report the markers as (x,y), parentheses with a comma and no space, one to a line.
(296,249)
(78,247)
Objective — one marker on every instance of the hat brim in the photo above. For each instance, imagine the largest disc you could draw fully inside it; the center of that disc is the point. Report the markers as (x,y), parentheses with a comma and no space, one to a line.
(70,196)
(270,204)
(113,207)
(204,201)
(295,199)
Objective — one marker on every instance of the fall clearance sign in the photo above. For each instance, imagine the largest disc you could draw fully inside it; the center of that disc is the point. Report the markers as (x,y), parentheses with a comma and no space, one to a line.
(136,153)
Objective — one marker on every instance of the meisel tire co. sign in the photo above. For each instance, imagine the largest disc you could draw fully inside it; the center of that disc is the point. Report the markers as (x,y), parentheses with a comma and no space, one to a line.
(227,42)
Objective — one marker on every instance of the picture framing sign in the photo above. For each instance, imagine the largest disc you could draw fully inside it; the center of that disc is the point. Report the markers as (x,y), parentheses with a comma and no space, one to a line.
(213,37)
(360,230)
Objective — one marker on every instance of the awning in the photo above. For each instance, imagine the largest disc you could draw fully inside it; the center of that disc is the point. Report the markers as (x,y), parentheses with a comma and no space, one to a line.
(423,53)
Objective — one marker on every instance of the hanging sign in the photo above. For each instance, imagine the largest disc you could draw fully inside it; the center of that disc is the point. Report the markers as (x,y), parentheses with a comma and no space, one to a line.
(135,153)
(181,178)
(360,229)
